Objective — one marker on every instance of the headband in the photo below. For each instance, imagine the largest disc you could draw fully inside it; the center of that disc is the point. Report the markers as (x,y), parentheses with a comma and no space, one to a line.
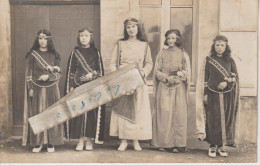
(129,21)
(43,36)
(220,40)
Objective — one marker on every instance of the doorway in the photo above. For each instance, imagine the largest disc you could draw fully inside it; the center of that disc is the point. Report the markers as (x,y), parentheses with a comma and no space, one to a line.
(63,19)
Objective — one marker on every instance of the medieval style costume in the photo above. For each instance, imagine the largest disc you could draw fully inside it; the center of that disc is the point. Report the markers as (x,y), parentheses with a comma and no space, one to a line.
(216,118)
(83,61)
(170,114)
(45,93)
(127,52)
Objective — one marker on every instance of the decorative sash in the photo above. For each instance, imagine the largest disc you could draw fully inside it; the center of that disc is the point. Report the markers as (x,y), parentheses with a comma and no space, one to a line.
(219,67)
(222,70)
(40,59)
(45,66)
(83,62)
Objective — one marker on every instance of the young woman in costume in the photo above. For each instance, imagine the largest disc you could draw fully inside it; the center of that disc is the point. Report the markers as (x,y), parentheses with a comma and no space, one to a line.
(218,98)
(171,85)
(84,65)
(133,49)
(41,90)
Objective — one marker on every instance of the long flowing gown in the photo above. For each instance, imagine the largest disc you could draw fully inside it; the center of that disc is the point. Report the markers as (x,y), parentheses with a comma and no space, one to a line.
(127,52)
(44,95)
(91,124)
(219,130)
(170,115)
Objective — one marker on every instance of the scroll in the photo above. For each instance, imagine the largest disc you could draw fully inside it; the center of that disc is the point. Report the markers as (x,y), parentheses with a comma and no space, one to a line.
(89,96)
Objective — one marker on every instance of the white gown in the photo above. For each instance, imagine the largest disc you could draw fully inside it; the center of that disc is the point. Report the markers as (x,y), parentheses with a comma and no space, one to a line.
(134,51)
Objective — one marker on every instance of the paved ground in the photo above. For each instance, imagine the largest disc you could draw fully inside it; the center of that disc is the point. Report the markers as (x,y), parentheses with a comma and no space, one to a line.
(11,151)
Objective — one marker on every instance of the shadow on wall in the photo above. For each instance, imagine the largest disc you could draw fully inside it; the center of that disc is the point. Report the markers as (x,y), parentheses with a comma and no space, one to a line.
(153,37)
(187,40)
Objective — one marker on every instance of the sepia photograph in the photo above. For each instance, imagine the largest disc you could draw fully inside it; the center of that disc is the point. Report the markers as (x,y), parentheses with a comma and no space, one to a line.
(129,81)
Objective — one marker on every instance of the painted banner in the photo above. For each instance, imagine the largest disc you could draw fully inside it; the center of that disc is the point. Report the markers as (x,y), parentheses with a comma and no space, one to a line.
(89,96)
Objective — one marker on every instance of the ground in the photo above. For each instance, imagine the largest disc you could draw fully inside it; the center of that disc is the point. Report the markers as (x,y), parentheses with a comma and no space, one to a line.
(11,151)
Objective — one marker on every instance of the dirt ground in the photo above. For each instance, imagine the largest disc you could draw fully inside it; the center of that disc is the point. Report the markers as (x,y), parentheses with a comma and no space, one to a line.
(11,151)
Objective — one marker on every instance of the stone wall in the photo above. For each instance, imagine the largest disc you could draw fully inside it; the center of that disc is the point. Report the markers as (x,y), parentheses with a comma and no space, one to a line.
(113,14)
(5,71)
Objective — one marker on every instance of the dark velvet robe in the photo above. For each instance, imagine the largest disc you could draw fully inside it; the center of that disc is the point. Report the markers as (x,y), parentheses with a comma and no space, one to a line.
(45,93)
(213,77)
(90,124)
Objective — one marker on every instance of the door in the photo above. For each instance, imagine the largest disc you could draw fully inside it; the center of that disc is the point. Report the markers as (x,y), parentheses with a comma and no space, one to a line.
(63,21)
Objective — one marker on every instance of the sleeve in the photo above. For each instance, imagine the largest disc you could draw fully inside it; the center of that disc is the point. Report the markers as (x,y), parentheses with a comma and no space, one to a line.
(148,62)
(234,67)
(97,64)
(72,66)
(57,60)
(206,78)
(113,63)
(186,65)
(159,74)
(29,70)
(100,67)
(55,76)
(234,71)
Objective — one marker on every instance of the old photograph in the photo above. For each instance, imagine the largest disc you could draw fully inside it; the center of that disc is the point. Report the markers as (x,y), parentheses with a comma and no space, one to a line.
(129,81)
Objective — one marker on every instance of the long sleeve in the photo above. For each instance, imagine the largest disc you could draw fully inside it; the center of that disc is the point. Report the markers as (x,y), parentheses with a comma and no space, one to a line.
(233,70)
(234,67)
(55,76)
(113,63)
(99,64)
(148,62)
(186,64)
(206,78)
(29,70)
(159,74)
(57,61)
(71,69)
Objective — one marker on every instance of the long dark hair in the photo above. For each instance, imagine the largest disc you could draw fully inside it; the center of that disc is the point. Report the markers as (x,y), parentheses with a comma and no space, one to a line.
(227,54)
(50,45)
(139,34)
(178,41)
(91,42)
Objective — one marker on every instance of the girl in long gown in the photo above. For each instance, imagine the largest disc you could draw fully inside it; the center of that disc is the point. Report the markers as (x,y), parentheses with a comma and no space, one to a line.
(171,83)
(218,98)
(132,48)
(84,65)
(41,90)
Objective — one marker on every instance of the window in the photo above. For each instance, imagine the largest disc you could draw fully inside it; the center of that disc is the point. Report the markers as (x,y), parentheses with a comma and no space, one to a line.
(157,18)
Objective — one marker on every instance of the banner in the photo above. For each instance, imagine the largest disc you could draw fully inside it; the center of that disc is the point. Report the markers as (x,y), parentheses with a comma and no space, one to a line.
(89,96)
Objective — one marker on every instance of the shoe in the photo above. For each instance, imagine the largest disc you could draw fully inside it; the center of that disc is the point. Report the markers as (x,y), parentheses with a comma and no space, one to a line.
(182,149)
(161,149)
(37,148)
(137,146)
(80,145)
(122,146)
(89,146)
(222,152)
(50,148)
(175,150)
(212,152)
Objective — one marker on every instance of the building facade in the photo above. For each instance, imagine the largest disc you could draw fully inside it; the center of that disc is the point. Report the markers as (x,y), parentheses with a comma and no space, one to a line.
(198,20)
